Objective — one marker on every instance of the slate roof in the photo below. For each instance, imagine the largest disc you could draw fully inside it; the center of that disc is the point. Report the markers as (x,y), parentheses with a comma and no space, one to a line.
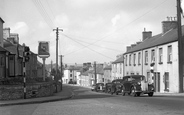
(119,60)
(3,49)
(108,67)
(157,40)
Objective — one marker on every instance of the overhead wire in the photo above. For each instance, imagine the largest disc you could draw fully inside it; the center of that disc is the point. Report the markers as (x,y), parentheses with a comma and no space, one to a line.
(43,13)
(84,46)
(93,44)
(105,36)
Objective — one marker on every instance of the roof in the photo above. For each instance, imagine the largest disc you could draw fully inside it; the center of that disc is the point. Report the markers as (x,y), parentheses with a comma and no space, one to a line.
(1,20)
(74,67)
(85,73)
(108,67)
(119,60)
(3,50)
(160,39)
(99,69)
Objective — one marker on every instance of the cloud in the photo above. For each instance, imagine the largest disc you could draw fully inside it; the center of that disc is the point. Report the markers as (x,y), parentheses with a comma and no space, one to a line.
(21,28)
(115,19)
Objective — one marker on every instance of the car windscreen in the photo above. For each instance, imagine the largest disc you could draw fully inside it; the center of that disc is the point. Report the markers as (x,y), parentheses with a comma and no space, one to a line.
(138,78)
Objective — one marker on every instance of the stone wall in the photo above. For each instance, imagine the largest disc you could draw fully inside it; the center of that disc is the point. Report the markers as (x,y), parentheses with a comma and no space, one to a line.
(11,92)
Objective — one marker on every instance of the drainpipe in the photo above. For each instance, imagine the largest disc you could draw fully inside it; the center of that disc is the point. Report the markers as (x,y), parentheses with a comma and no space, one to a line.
(142,62)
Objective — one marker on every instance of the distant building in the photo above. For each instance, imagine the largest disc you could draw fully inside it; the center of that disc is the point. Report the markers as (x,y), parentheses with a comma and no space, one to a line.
(117,68)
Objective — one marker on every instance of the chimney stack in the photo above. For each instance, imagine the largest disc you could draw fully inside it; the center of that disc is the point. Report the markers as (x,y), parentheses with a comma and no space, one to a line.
(6,33)
(128,48)
(171,23)
(133,45)
(1,32)
(146,34)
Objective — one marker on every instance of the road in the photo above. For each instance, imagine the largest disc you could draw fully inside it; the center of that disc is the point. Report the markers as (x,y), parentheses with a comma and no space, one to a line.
(86,102)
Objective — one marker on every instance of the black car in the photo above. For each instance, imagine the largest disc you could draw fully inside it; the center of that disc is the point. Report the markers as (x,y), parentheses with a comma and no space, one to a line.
(136,84)
(116,86)
(108,87)
(99,87)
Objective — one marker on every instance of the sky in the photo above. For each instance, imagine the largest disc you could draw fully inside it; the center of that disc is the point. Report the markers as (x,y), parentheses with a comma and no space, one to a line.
(93,30)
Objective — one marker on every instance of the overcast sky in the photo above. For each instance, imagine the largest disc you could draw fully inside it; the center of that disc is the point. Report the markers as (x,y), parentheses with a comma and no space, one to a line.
(93,30)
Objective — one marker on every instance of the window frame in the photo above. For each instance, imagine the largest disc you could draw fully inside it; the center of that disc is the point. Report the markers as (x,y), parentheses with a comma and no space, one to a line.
(146,57)
(169,54)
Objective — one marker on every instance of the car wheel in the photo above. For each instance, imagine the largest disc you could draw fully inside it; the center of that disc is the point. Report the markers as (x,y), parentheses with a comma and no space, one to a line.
(150,94)
(133,93)
(138,94)
(117,93)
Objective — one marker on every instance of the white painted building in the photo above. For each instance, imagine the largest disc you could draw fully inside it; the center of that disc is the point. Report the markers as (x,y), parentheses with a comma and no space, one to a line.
(162,49)
(117,68)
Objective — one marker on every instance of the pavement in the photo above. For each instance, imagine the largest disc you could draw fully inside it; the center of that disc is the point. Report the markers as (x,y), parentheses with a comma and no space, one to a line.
(66,93)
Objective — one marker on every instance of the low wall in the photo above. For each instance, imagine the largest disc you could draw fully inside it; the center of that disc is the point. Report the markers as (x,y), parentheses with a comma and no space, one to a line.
(11,92)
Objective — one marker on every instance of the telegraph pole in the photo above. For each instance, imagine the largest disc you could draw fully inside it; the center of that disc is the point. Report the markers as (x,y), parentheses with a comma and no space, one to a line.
(57,37)
(95,72)
(61,71)
(180,48)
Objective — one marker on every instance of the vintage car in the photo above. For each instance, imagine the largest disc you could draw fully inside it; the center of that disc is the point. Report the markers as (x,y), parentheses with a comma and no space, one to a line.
(99,87)
(108,87)
(93,87)
(116,86)
(136,84)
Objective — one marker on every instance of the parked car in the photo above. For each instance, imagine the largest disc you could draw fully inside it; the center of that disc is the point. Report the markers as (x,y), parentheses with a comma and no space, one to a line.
(116,86)
(108,87)
(99,87)
(136,84)
(93,87)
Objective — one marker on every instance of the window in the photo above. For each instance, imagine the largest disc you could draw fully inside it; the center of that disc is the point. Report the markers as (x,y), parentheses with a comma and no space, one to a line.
(160,55)
(169,54)
(130,59)
(70,71)
(146,57)
(153,55)
(134,58)
(139,58)
(70,75)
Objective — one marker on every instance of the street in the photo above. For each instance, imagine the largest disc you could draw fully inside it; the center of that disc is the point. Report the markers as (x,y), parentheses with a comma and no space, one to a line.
(87,102)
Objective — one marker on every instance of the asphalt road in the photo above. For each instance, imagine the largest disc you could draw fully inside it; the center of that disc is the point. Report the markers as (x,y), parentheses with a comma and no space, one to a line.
(86,102)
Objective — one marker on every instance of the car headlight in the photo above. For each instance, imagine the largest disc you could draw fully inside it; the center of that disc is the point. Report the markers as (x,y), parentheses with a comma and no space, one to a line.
(138,83)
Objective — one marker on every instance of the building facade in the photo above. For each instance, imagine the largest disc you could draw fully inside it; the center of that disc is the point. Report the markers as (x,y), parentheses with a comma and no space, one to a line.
(162,50)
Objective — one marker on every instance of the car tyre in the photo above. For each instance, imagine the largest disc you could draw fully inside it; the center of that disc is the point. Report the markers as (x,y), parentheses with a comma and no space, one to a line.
(138,94)
(150,94)
(133,93)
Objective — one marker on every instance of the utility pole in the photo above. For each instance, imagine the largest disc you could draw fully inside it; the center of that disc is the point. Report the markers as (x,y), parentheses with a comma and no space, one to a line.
(180,48)
(57,37)
(95,72)
(24,70)
(61,71)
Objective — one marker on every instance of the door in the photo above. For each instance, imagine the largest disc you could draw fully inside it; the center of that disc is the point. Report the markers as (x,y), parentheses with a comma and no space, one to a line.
(11,66)
(157,81)
(166,81)
(2,65)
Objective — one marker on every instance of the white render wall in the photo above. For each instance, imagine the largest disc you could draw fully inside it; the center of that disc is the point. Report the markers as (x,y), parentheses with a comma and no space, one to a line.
(143,69)
(117,71)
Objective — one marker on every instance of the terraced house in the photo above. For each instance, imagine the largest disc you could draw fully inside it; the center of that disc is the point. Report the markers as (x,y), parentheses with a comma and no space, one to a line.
(162,50)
